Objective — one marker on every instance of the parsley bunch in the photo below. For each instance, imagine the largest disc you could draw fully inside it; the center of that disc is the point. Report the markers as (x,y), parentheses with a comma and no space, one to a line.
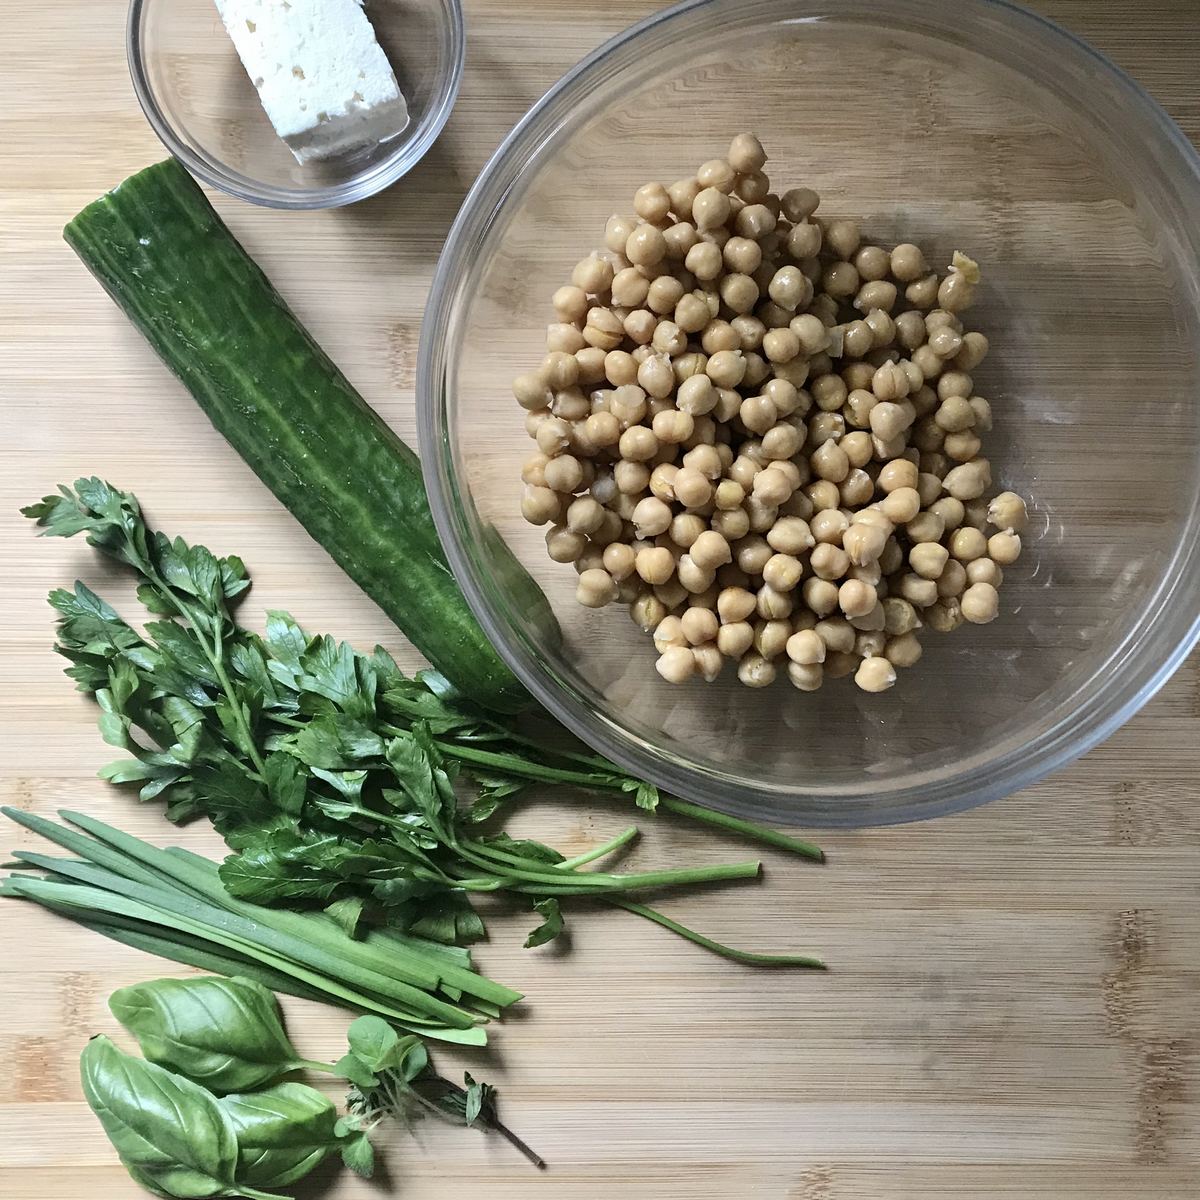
(332,775)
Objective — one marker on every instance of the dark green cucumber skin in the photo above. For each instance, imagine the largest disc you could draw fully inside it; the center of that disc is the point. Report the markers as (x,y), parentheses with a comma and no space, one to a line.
(163,254)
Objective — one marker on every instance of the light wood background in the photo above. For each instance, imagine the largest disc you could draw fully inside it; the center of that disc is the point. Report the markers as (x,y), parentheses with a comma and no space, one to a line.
(1013,1010)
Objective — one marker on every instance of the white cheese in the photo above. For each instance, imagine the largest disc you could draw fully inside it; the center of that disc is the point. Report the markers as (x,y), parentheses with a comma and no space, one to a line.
(321,74)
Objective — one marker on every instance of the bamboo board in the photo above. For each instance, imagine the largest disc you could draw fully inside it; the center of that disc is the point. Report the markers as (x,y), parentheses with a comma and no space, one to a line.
(1013,1007)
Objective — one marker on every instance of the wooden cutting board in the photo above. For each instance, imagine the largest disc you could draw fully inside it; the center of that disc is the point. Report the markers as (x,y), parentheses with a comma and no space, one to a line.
(1013,1007)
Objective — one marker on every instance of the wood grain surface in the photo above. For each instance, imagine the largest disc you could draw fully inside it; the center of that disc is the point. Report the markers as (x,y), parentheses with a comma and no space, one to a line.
(1013,1008)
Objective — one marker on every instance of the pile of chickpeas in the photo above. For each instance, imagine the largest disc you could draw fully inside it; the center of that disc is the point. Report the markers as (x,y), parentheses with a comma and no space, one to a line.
(761,433)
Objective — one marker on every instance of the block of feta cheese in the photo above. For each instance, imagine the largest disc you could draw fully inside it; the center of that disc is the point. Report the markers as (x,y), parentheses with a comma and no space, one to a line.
(321,74)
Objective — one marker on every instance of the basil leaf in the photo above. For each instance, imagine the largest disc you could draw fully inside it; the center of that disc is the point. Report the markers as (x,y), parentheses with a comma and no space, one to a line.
(223,1033)
(282,1133)
(167,1130)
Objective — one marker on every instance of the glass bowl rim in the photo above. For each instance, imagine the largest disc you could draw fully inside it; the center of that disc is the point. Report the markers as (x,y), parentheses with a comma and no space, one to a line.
(1009,766)
(369,183)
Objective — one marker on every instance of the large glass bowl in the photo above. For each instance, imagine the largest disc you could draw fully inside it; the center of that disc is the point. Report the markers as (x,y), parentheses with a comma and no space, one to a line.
(953,123)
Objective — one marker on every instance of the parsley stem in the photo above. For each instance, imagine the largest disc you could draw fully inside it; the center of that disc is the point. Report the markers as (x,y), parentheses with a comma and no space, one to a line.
(743,956)
(747,829)
(622,839)
(597,781)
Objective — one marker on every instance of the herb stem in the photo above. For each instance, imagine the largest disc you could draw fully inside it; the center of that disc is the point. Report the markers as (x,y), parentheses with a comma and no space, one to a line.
(622,839)
(742,956)
(747,829)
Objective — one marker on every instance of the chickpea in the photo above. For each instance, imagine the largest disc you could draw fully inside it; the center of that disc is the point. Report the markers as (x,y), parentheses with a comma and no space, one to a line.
(945,341)
(651,517)
(888,421)
(617,231)
(929,484)
(685,529)
(821,595)
(563,545)
(980,603)
(710,551)
(593,275)
(629,288)
(771,638)
(733,525)
(540,505)
(1004,548)
(918,591)
(755,221)
(923,292)
(952,580)
(950,511)
(655,564)
(806,677)
(864,543)
(735,604)
(711,208)
(969,481)
(669,632)
(829,461)
(840,280)
(789,288)
(892,558)
(646,246)
(968,544)
(584,515)
(762,516)
(928,559)
(692,489)
(925,527)
(631,478)
(647,611)
(746,154)
(560,370)
(901,505)
(974,351)
(618,560)
(739,292)
(945,616)
(843,238)
(876,294)
(656,377)
(564,474)
(956,292)
(1007,513)
(604,329)
(699,625)
(671,427)
(875,674)
(705,459)
(985,570)
(908,263)
(736,638)
(829,562)
(856,598)
(954,383)
(783,572)
(676,664)
(595,589)
(829,525)
(756,671)
(780,345)
(903,651)
(757,369)
(857,488)
(673,594)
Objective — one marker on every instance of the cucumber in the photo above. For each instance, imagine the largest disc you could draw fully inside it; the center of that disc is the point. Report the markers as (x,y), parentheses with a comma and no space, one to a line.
(164,255)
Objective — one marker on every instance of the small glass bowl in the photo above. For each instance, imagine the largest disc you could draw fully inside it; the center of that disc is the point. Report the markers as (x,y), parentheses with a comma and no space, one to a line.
(957,124)
(197,96)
